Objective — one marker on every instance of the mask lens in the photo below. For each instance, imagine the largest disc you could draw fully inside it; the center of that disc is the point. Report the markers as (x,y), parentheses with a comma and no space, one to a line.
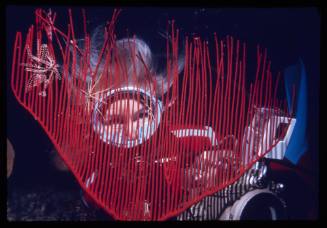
(129,117)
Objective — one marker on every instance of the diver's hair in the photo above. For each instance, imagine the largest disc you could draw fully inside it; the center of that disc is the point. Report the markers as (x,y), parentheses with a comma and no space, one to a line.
(135,61)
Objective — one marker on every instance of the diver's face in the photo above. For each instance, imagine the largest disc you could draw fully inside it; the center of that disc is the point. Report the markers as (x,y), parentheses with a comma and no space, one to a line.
(125,117)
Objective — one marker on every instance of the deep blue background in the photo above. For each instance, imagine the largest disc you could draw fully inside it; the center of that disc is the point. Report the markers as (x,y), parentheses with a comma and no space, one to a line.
(287,33)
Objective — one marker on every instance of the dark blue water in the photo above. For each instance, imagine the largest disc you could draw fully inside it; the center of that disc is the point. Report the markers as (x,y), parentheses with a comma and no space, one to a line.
(288,34)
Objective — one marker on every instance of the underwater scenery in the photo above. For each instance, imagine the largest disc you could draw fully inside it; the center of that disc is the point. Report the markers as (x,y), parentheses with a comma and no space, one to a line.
(162,113)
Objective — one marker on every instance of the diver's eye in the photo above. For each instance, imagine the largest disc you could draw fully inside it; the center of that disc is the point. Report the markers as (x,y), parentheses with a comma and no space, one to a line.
(114,119)
(143,114)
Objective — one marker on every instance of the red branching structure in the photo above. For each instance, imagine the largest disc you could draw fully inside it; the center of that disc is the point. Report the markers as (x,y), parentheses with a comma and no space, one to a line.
(191,142)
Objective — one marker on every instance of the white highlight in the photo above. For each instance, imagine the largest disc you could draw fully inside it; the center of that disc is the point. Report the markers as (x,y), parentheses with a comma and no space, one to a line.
(206,132)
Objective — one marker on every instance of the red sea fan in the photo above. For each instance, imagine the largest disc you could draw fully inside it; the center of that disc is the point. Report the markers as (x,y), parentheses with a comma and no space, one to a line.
(146,145)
